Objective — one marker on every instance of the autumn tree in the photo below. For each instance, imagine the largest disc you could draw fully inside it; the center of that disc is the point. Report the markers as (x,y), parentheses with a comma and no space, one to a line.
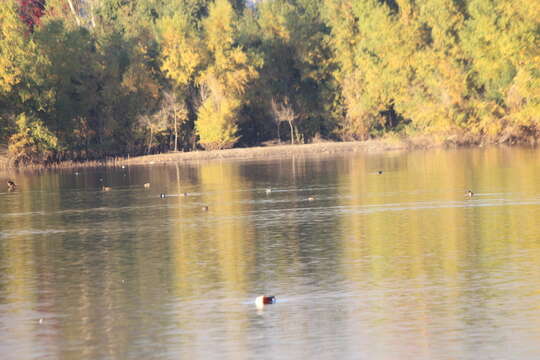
(224,81)
(33,143)
(14,46)
(503,42)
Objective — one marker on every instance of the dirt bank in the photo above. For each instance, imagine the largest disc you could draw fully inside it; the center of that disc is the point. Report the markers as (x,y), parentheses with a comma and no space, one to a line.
(265,152)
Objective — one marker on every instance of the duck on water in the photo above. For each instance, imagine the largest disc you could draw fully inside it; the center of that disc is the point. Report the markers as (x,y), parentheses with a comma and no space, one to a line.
(11,185)
(263,300)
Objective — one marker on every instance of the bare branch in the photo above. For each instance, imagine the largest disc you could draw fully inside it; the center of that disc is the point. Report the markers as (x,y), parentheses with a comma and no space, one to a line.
(284,112)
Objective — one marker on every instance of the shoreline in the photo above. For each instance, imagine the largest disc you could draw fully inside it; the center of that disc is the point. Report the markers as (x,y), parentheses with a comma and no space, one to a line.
(252,153)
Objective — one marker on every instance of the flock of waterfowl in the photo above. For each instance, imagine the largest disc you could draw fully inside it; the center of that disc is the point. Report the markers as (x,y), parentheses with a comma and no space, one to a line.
(260,301)
(12,187)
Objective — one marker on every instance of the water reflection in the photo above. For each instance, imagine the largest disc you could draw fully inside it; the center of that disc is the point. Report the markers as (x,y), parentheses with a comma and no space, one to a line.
(376,265)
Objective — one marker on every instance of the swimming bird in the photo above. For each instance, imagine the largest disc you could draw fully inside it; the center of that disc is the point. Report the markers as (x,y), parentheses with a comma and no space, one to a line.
(146,185)
(162,195)
(11,185)
(469,194)
(204,208)
(379,172)
(106,188)
(262,300)
(185,194)
(268,190)
(311,198)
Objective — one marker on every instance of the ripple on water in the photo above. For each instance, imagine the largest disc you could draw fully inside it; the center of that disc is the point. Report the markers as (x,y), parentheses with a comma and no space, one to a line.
(32,232)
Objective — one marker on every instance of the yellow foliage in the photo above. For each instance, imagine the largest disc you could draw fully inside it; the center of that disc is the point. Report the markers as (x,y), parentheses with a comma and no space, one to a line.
(224,81)
(220,27)
(273,20)
(13,46)
(216,123)
(182,52)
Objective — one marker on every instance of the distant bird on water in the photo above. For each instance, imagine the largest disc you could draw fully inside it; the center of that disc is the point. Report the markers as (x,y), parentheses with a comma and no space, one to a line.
(268,190)
(379,172)
(262,300)
(162,195)
(106,188)
(469,194)
(204,208)
(11,185)
(146,185)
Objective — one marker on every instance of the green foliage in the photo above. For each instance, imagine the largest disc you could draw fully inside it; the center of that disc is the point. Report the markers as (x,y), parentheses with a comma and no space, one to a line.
(297,64)
(33,143)
(119,77)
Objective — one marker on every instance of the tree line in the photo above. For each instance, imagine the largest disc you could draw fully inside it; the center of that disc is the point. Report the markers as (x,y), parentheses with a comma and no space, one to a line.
(87,79)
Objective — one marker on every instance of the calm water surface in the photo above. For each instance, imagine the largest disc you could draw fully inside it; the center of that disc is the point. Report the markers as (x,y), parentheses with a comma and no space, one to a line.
(399,265)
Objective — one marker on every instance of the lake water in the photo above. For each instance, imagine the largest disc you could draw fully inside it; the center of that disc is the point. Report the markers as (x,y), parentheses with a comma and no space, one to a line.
(398,265)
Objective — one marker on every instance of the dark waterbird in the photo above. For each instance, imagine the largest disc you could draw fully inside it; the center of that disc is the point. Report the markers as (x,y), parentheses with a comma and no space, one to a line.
(11,185)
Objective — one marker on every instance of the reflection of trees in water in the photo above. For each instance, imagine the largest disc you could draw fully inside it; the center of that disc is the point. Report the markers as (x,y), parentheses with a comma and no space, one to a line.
(115,276)
(426,267)
(212,251)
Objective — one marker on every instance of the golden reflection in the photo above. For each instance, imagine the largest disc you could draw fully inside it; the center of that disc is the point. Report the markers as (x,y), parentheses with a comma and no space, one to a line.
(223,191)
(423,257)
(422,247)
(213,247)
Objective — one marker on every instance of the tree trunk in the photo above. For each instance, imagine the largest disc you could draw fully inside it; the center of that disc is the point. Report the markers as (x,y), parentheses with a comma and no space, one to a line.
(92,19)
(292,132)
(175,130)
(70,2)
(150,142)
(279,137)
